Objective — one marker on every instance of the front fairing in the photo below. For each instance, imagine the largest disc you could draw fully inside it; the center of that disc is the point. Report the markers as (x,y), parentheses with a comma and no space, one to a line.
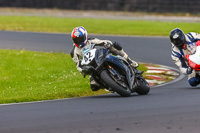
(194,60)
(103,57)
(100,55)
(115,60)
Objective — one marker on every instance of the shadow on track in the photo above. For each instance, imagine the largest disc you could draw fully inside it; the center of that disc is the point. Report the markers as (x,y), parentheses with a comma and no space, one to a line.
(117,96)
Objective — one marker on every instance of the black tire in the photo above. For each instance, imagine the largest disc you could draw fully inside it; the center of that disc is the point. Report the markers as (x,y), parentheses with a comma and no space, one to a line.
(115,87)
(143,87)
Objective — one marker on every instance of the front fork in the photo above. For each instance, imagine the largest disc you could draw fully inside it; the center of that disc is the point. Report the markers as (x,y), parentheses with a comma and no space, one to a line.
(113,72)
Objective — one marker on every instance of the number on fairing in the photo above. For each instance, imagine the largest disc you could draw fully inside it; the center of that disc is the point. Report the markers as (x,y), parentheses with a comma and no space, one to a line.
(88,57)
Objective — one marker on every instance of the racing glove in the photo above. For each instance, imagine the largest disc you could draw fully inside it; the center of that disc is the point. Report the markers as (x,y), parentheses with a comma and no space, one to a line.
(108,44)
(189,70)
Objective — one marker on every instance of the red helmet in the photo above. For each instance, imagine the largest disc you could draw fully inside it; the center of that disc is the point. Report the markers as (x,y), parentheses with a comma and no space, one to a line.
(79,36)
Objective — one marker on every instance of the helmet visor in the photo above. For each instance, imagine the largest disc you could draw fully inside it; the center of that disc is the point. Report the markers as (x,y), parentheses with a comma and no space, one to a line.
(78,40)
(179,43)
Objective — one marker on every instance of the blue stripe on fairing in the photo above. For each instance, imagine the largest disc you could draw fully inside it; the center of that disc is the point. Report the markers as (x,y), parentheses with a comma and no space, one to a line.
(85,51)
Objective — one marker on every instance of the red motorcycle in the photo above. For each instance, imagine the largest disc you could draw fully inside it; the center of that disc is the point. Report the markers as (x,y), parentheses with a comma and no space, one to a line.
(194,60)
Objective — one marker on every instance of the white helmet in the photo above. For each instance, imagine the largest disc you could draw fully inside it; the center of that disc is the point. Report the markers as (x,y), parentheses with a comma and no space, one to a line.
(79,36)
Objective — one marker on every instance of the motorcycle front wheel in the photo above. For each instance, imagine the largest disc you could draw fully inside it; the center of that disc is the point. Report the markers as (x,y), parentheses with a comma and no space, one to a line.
(143,87)
(112,84)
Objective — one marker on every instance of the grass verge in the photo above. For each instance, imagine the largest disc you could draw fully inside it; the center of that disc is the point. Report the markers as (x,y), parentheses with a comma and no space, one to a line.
(34,76)
(98,26)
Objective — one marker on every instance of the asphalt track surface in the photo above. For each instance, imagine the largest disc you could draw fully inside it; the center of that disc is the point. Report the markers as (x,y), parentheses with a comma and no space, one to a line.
(172,108)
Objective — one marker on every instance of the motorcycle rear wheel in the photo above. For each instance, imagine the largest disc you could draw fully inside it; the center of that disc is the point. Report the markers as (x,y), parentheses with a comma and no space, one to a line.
(112,84)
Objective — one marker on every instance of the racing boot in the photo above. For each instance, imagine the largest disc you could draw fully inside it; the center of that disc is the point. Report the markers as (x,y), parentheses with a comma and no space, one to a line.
(133,63)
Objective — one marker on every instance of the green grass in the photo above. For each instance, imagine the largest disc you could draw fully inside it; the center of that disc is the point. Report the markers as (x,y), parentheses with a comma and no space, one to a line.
(34,76)
(98,26)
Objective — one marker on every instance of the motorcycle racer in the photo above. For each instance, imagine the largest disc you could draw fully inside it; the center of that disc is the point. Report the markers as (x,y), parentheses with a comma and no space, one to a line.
(182,45)
(80,40)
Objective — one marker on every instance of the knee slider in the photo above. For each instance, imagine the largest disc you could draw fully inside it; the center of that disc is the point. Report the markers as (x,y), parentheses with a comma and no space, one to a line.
(94,87)
(117,46)
(193,81)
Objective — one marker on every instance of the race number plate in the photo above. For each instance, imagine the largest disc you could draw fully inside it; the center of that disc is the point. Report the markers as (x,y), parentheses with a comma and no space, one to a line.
(88,57)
